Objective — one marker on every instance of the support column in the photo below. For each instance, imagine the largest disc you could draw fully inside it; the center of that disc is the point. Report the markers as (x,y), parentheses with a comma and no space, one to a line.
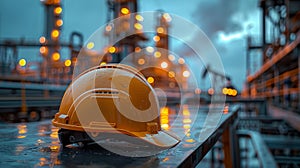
(231,146)
(226,148)
(276,84)
(298,52)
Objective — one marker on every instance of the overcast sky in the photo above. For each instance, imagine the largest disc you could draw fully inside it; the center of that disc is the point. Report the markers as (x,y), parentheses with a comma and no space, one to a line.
(226,22)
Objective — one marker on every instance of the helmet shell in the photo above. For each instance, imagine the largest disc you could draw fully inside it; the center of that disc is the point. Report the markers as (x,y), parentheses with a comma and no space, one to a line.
(109,98)
(112,98)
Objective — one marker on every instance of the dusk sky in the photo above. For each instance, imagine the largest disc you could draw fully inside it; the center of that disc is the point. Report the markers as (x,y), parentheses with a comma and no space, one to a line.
(225,22)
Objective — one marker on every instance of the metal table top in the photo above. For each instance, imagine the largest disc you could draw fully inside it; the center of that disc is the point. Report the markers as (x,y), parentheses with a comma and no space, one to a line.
(36,144)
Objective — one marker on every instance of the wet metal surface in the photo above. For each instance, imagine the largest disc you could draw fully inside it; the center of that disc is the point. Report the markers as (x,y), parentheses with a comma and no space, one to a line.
(36,144)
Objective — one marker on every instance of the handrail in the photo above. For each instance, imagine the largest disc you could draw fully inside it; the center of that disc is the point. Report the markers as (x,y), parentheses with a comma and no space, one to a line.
(263,153)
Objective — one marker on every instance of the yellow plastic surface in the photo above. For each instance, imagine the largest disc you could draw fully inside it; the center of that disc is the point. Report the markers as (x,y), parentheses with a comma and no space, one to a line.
(113,98)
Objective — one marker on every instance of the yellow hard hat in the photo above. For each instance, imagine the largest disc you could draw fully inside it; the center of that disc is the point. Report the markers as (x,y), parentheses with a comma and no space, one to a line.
(111,98)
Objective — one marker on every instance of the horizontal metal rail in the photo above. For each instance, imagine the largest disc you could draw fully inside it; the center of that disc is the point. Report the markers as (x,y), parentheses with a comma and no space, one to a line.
(282,142)
(30,102)
(188,153)
(197,154)
(261,102)
(264,155)
(31,86)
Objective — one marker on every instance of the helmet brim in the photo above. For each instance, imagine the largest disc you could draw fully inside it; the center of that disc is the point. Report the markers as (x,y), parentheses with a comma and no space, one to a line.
(161,139)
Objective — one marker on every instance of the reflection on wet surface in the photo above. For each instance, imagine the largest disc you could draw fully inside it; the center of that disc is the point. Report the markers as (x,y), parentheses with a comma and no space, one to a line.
(22,130)
(164,118)
(28,144)
(36,144)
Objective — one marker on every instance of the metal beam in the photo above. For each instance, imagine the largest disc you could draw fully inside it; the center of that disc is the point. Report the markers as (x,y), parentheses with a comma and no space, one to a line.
(276,58)
(195,156)
(32,44)
(266,158)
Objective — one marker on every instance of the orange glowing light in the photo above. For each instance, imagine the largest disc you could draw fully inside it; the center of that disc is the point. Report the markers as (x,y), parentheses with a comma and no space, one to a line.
(150,79)
(138,26)
(211,91)
(108,28)
(187,121)
(186,111)
(56,1)
(21,136)
(139,18)
(164,111)
(167,17)
(156,38)
(226,110)
(186,73)
(40,141)
(125,11)
(164,117)
(42,39)
(54,148)
(234,93)
(54,133)
(42,162)
(181,61)
(225,91)
(171,57)
(103,63)
(43,50)
(68,63)
(150,49)
(90,45)
(22,129)
(22,62)
(137,49)
(166,159)
(171,74)
(55,33)
(230,92)
(190,140)
(164,120)
(55,56)
(157,54)
(186,126)
(59,22)
(165,126)
(160,30)
(164,65)
(57,10)
(112,49)
(141,61)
